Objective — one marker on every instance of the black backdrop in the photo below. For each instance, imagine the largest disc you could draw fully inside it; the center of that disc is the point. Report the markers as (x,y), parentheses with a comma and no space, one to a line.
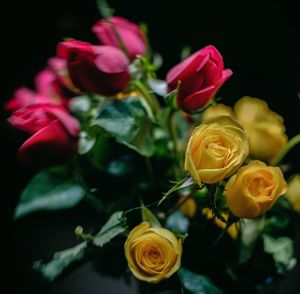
(259,41)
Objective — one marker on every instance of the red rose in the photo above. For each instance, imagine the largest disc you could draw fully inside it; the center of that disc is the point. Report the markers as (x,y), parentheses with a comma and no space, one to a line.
(23,97)
(200,76)
(51,130)
(97,69)
(109,30)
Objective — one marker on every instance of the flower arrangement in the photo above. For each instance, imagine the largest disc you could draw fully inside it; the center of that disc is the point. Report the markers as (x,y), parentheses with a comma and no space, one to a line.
(174,174)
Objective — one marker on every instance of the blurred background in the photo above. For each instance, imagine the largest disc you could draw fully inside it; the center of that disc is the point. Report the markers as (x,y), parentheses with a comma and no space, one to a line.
(259,41)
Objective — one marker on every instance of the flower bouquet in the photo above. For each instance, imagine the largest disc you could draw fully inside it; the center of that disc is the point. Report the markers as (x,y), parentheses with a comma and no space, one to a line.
(192,195)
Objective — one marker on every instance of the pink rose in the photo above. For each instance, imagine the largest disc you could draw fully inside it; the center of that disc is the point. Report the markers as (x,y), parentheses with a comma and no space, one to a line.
(52,132)
(130,34)
(96,69)
(47,83)
(24,97)
(200,76)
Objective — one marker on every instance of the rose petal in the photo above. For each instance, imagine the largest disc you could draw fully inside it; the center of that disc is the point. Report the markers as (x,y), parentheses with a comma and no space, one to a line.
(110,59)
(52,143)
(69,122)
(198,99)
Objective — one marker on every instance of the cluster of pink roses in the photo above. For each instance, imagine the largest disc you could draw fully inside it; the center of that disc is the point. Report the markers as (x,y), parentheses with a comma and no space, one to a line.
(81,67)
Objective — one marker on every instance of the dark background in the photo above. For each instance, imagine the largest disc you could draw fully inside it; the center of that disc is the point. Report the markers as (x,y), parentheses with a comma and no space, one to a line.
(259,41)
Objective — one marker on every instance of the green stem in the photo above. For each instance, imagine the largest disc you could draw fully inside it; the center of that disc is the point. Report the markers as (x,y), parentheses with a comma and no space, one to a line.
(150,99)
(174,136)
(291,144)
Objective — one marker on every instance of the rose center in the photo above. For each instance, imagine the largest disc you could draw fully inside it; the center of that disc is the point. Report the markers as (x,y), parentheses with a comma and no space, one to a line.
(154,256)
(217,149)
(260,186)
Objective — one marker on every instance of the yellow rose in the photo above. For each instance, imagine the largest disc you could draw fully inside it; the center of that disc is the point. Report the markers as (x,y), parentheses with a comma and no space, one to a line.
(254,189)
(265,128)
(293,193)
(217,110)
(153,254)
(216,149)
(232,231)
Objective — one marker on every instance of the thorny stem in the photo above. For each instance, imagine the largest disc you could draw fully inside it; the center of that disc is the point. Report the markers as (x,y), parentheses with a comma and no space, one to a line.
(150,99)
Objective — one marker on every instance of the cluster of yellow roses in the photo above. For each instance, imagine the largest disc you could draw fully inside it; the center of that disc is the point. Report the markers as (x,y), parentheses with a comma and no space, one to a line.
(216,150)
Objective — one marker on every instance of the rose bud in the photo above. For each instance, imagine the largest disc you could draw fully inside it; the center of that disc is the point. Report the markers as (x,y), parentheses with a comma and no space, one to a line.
(109,31)
(24,97)
(265,128)
(52,132)
(254,189)
(216,149)
(97,69)
(200,76)
(153,254)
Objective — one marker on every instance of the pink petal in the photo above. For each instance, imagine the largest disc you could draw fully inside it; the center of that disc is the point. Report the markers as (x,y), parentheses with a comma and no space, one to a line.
(110,59)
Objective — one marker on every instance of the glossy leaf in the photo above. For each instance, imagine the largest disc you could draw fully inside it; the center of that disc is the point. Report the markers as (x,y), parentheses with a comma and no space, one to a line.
(282,250)
(159,87)
(51,189)
(149,216)
(197,284)
(113,227)
(61,260)
(251,229)
(128,123)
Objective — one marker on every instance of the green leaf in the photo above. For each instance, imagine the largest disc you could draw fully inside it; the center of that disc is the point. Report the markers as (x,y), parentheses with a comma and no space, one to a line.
(251,229)
(197,284)
(51,189)
(282,250)
(148,216)
(163,117)
(121,166)
(61,260)
(128,123)
(80,105)
(86,143)
(159,87)
(113,227)
(102,151)
(104,9)
(171,98)
(185,52)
